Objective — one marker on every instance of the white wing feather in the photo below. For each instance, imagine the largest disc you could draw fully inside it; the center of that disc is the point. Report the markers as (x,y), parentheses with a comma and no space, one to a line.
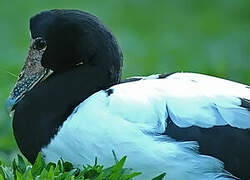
(188,98)
(205,101)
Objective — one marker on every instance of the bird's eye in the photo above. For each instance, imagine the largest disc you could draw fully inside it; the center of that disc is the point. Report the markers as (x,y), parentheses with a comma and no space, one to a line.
(39,44)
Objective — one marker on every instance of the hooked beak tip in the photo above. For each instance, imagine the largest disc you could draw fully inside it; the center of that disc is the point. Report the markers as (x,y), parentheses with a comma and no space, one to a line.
(9,105)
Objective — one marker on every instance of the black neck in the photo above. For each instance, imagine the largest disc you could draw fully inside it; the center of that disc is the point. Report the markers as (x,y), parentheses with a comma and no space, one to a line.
(42,111)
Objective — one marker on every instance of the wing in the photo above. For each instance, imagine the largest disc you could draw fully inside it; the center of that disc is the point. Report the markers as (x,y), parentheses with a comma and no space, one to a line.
(205,101)
(187,98)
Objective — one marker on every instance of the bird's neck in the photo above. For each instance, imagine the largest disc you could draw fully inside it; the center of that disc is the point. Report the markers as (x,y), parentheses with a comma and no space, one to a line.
(40,114)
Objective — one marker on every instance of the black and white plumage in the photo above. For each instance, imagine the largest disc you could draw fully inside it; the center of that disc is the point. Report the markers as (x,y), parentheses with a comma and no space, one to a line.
(71,104)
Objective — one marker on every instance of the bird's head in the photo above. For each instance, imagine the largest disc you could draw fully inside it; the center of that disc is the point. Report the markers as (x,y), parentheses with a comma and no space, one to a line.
(62,40)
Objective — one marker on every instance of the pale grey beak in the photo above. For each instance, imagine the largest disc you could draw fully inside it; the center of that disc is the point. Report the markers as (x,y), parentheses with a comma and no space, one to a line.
(31,74)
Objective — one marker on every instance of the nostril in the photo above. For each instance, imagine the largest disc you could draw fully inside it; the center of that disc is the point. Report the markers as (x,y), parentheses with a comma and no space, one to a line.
(21,75)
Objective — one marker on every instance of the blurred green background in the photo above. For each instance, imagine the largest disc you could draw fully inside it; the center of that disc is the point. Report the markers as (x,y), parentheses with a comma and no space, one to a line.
(156,36)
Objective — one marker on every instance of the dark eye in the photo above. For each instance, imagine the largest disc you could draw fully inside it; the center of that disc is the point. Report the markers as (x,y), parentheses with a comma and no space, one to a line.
(39,44)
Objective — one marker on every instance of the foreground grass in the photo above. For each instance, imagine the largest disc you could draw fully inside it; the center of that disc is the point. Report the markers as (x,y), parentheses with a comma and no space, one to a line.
(20,169)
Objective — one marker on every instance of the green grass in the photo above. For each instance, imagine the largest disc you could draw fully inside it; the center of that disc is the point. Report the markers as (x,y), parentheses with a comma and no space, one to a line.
(20,169)
(211,37)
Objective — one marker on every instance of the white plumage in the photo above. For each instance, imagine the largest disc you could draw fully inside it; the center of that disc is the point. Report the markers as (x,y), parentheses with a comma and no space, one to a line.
(132,118)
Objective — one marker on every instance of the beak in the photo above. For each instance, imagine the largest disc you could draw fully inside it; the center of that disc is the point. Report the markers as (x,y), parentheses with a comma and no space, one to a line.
(31,74)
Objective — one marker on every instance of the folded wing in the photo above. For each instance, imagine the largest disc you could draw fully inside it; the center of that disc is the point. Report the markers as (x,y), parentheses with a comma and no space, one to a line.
(187,98)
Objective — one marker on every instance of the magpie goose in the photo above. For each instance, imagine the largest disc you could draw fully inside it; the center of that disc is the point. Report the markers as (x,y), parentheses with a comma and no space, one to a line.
(70,103)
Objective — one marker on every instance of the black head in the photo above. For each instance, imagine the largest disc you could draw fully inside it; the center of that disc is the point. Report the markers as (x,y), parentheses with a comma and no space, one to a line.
(74,37)
(61,40)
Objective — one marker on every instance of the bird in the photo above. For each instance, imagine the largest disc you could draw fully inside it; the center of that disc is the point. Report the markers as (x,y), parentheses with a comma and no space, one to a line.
(70,102)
